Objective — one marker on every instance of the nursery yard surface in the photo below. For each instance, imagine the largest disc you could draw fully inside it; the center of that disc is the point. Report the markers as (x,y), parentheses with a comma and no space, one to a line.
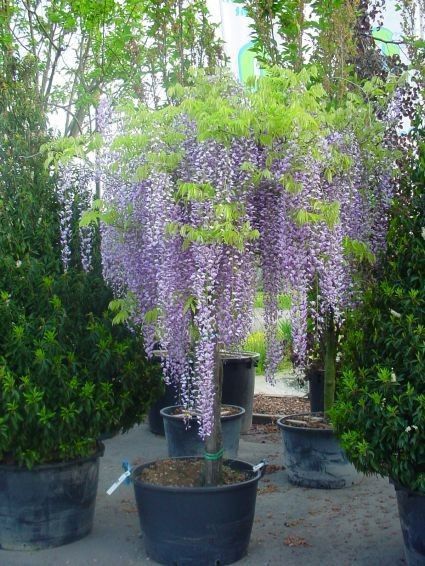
(280,405)
(356,526)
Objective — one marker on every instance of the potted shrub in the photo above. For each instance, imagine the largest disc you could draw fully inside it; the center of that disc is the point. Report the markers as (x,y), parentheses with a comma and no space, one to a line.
(182,430)
(193,196)
(237,389)
(325,251)
(380,410)
(66,373)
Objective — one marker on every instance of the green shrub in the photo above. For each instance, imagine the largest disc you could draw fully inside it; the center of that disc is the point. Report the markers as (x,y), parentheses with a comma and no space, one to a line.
(284,301)
(256,342)
(380,412)
(66,373)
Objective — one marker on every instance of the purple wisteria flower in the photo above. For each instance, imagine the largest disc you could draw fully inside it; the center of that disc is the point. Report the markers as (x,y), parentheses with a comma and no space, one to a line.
(74,191)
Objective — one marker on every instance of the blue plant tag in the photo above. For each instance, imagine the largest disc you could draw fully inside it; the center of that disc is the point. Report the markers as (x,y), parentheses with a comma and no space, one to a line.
(127,468)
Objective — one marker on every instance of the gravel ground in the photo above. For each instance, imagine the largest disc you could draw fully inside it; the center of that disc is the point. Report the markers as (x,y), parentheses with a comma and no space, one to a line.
(286,405)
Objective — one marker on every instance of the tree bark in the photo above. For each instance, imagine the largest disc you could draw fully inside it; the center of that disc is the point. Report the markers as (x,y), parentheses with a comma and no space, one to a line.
(214,442)
(330,342)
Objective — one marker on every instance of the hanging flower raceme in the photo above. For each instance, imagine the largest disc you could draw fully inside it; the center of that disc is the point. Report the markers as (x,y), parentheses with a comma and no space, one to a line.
(181,246)
(318,221)
(74,192)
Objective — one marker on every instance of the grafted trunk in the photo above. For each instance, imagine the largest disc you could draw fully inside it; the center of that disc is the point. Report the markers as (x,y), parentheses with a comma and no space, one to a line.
(330,343)
(214,442)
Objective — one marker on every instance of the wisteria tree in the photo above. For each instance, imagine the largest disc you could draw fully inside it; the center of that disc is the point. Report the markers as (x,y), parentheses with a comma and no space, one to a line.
(198,194)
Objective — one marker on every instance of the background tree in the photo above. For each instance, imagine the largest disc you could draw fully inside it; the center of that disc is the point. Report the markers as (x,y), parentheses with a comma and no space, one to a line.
(334,35)
(67,374)
(80,49)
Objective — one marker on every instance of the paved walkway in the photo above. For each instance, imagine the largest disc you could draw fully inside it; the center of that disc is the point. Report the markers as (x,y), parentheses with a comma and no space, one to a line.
(293,526)
(285,384)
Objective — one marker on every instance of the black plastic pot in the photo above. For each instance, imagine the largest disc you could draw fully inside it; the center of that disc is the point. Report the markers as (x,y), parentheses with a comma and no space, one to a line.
(411,509)
(313,457)
(239,382)
(156,422)
(316,380)
(49,505)
(185,441)
(193,526)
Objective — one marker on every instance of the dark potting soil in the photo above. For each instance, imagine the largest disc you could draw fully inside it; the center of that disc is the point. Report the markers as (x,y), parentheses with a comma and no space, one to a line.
(280,405)
(186,473)
(226,410)
(316,420)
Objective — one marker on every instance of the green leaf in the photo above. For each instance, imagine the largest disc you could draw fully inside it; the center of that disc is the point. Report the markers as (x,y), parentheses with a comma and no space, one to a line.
(288,182)
(359,250)
(303,216)
(152,315)
(190,304)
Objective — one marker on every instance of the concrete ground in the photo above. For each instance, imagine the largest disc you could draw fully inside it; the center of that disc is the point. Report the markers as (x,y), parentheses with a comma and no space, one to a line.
(293,526)
(285,384)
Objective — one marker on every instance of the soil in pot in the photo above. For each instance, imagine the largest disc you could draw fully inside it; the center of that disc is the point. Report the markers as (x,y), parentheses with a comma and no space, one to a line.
(186,472)
(315,421)
(226,411)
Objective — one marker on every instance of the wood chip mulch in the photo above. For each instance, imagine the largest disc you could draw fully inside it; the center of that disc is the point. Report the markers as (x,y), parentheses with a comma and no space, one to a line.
(273,405)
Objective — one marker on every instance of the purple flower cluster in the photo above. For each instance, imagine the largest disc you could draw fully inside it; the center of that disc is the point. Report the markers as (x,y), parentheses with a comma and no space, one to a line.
(192,295)
(74,193)
(305,214)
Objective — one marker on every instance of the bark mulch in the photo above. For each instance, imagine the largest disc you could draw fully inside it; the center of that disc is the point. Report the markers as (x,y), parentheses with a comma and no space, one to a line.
(280,406)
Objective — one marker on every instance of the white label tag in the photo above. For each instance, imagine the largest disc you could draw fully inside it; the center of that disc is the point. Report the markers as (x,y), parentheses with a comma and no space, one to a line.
(115,485)
(258,467)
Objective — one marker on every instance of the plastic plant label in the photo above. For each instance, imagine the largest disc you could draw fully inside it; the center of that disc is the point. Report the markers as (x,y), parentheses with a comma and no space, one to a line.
(120,480)
(259,466)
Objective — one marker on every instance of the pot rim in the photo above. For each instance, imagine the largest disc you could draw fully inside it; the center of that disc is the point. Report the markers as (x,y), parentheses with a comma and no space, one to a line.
(194,490)
(239,355)
(226,355)
(283,426)
(100,450)
(165,414)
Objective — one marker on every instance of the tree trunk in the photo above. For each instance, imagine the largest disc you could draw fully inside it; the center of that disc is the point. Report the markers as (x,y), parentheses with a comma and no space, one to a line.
(214,442)
(330,342)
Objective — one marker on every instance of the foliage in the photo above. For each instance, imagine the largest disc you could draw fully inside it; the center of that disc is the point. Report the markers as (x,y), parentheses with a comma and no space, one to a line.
(66,373)
(256,342)
(80,49)
(284,301)
(380,412)
(335,36)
